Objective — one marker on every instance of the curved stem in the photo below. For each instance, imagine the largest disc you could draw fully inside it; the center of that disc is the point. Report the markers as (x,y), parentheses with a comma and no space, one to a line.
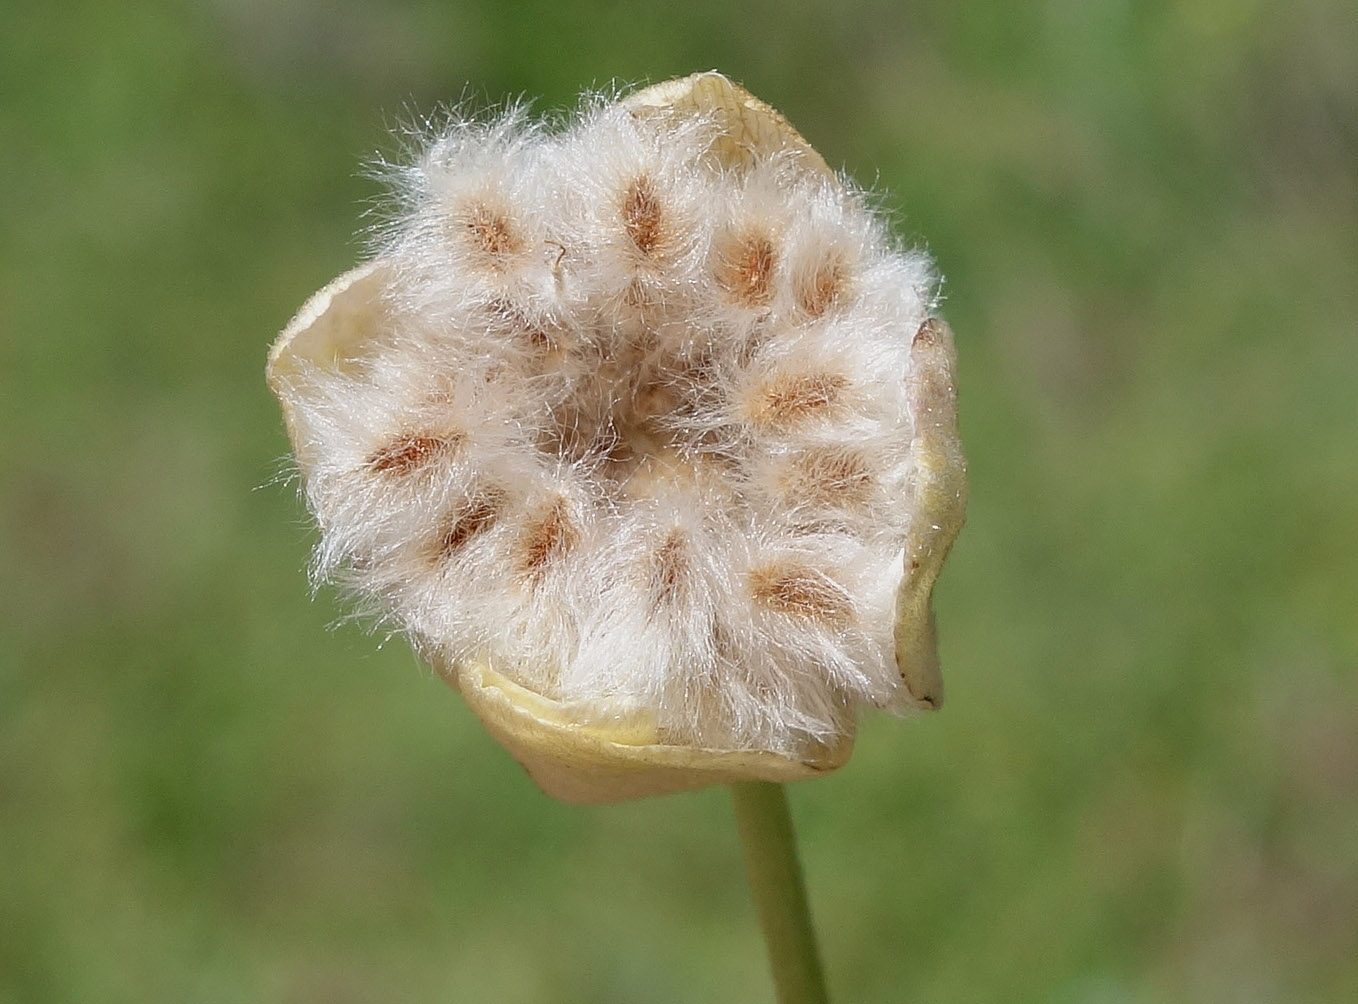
(775,876)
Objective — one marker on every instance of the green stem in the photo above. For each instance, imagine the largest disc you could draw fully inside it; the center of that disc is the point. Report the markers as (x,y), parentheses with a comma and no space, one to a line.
(779,896)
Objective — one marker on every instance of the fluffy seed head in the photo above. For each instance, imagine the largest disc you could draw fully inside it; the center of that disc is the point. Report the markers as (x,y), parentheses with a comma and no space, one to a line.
(632,424)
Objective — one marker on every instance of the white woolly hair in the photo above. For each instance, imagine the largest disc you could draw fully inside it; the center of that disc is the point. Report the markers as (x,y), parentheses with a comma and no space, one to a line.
(638,435)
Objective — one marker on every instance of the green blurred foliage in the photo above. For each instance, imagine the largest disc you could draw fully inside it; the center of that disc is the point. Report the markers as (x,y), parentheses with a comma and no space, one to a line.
(1145,784)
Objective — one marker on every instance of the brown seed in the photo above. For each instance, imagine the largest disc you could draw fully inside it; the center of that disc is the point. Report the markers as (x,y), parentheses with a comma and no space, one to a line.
(668,563)
(549,536)
(746,271)
(800,591)
(408,453)
(642,216)
(787,398)
(491,232)
(819,291)
(829,477)
(476,516)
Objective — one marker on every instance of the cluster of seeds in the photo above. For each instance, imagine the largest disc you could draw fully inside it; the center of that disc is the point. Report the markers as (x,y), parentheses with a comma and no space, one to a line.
(636,432)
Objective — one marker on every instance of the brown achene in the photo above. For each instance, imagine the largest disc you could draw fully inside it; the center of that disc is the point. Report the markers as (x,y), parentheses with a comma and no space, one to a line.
(818,292)
(747,272)
(800,591)
(549,536)
(478,515)
(788,398)
(408,453)
(668,565)
(642,216)
(830,477)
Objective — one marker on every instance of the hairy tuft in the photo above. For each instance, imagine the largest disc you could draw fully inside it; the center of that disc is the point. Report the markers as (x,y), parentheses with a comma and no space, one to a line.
(636,428)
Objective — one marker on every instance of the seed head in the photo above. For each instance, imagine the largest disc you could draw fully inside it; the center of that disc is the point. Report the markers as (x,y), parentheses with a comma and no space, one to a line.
(642,431)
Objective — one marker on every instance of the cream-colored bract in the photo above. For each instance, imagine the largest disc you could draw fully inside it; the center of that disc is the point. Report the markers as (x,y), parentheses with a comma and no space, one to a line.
(651,449)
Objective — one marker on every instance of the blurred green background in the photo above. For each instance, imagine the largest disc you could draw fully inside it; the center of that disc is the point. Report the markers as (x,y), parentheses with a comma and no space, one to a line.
(1144,787)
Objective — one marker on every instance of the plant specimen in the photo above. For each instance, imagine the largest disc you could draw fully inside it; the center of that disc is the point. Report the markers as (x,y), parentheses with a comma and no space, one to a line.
(643,431)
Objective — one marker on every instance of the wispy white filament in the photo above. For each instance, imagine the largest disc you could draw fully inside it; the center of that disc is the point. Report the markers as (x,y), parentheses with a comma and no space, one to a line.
(637,434)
